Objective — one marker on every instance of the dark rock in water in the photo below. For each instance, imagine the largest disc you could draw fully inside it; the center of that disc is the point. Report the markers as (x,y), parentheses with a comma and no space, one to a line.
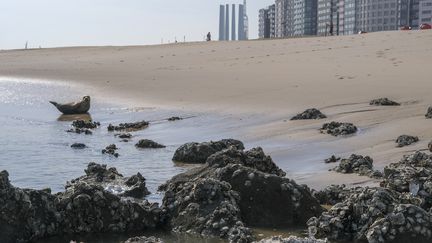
(384,102)
(175,118)
(338,128)
(129,126)
(405,140)
(80,107)
(208,207)
(143,239)
(291,239)
(85,207)
(124,135)
(111,150)
(429,113)
(80,131)
(332,159)
(112,181)
(266,198)
(411,175)
(254,158)
(85,124)
(358,216)
(309,114)
(430,146)
(146,143)
(78,146)
(198,153)
(332,195)
(25,214)
(359,165)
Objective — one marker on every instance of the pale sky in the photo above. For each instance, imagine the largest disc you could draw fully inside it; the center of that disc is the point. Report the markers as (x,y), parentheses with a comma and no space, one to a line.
(53,23)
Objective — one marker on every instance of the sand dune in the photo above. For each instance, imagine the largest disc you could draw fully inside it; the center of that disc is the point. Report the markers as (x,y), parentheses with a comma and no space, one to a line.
(275,78)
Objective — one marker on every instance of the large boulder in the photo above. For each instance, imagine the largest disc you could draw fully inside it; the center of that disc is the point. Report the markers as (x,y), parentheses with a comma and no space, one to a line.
(309,114)
(358,214)
(84,207)
(197,153)
(26,214)
(412,174)
(407,223)
(266,198)
(208,207)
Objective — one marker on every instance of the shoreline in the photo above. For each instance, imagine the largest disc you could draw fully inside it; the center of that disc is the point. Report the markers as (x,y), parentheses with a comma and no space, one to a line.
(264,83)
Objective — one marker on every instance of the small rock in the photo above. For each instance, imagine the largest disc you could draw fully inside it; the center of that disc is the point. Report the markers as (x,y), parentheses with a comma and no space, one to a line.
(309,114)
(430,146)
(175,118)
(111,150)
(143,239)
(146,143)
(85,124)
(135,126)
(384,102)
(78,146)
(332,159)
(124,135)
(358,164)
(405,140)
(80,131)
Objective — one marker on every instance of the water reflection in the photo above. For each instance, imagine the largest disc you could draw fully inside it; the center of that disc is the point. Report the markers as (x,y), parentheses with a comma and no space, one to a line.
(85,117)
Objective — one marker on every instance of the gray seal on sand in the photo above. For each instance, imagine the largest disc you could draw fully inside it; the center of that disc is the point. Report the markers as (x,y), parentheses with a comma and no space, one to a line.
(80,107)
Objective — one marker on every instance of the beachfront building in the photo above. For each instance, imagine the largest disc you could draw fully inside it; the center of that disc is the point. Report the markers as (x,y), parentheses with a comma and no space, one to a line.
(266,21)
(382,15)
(329,17)
(425,12)
(304,14)
(263,24)
(281,17)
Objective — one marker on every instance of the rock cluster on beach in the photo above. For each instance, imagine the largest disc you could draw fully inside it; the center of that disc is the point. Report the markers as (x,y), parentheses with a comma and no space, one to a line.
(309,114)
(373,215)
(84,207)
(429,113)
(111,150)
(147,143)
(197,153)
(338,128)
(405,140)
(246,188)
(83,126)
(384,102)
(361,165)
(135,126)
(175,118)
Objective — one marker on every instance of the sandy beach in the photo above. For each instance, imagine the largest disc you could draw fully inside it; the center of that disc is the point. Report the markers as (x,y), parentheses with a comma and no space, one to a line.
(273,79)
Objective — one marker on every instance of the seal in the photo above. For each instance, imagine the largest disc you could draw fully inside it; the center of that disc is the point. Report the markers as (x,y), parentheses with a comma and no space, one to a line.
(81,107)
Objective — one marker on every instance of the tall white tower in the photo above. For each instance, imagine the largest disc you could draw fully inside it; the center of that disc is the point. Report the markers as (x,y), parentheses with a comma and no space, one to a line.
(245,20)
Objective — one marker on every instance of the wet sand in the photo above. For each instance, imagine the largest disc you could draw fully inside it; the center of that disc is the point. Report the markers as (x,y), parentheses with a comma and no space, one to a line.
(261,85)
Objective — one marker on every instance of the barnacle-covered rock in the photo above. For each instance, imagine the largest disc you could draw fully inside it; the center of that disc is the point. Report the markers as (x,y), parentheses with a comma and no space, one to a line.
(362,165)
(309,114)
(338,128)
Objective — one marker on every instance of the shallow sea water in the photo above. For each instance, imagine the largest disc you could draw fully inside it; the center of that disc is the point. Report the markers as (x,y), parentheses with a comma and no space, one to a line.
(35,147)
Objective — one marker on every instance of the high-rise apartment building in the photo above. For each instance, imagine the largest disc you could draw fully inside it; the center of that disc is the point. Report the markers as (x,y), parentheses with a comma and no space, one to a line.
(329,17)
(267,22)
(425,12)
(304,17)
(222,22)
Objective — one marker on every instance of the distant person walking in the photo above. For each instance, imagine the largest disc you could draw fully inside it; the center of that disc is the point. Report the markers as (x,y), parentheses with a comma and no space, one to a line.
(208,36)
